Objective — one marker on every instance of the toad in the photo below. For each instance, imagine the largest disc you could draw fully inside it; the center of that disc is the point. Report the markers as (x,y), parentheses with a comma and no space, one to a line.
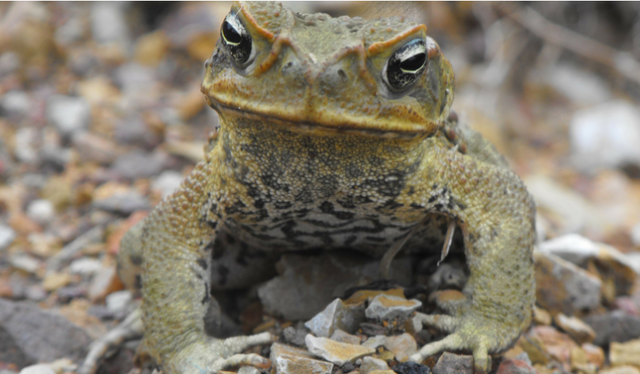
(334,133)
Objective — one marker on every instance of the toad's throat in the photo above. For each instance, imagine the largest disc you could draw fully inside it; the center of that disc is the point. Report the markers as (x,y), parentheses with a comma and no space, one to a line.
(294,121)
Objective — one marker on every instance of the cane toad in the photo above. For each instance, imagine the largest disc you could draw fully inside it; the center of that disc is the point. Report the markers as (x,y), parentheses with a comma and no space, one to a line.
(334,133)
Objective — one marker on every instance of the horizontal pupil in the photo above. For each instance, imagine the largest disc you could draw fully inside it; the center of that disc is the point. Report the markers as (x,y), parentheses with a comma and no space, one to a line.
(414,62)
(230,33)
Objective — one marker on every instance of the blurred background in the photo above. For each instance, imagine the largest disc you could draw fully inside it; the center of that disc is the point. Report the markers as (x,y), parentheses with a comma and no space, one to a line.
(101,116)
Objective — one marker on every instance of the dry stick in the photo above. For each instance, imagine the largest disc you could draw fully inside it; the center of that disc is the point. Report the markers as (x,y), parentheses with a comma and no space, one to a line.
(579,44)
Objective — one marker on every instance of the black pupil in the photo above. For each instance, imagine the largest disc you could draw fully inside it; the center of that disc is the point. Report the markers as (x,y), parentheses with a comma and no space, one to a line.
(414,62)
(230,33)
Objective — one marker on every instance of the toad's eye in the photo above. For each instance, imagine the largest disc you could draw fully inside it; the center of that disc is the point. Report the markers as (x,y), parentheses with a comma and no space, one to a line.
(236,39)
(405,65)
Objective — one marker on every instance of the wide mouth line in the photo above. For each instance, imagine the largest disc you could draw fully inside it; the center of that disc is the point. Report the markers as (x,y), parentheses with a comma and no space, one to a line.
(315,125)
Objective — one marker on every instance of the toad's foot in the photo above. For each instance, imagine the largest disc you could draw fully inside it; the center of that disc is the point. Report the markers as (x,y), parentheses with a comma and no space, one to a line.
(469,331)
(215,355)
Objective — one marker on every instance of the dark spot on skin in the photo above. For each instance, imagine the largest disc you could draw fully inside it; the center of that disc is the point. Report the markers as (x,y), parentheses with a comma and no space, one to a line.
(203,263)
(218,250)
(438,207)
(350,240)
(136,260)
(435,186)
(258,204)
(411,191)
(223,271)
(416,206)
(432,199)
(282,205)
(138,282)
(230,239)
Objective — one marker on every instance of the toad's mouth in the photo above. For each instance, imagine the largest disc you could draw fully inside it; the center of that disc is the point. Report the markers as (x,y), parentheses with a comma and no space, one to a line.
(327,123)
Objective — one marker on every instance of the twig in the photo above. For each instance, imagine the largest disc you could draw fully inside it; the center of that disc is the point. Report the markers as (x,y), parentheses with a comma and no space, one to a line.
(622,62)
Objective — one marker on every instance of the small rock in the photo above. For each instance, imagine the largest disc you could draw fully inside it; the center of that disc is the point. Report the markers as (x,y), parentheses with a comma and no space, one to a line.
(24,262)
(15,103)
(122,203)
(53,281)
(103,283)
(382,372)
(624,369)
(595,354)
(573,211)
(289,360)
(614,326)
(606,136)
(413,325)
(450,363)
(42,336)
(139,164)
(41,211)
(37,369)
(338,353)
(411,368)
(541,316)
(295,336)
(92,147)
(635,236)
(611,263)
(580,361)
(68,114)
(555,343)
(575,328)
(248,370)
(385,307)
(370,364)
(402,346)
(336,315)
(7,235)
(118,301)
(85,266)
(625,353)
(515,367)
(343,337)
(564,287)
(167,182)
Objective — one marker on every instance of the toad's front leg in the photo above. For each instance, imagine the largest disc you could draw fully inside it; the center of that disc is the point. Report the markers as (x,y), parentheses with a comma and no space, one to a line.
(176,285)
(496,215)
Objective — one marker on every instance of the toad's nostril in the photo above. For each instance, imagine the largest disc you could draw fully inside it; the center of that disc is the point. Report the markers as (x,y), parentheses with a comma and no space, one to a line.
(342,75)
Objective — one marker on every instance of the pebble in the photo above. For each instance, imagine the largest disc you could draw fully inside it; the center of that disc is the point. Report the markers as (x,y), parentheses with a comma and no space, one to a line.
(53,281)
(122,203)
(95,148)
(103,283)
(167,182)
(553,342)
(384,307)
(118,301)
(41,211)
(336,315)
(140,164)
(370,364)
(68,114)
(606,136)
(635,235)
(295,336)
(613,326)
(40,335)
(515,367)
(411,368)
(563,287)
(402,346)
(109,23)
(595,354)
(85,266)
(611,263)
(248,370)
(541,316)
(450,363)
(624,369)
(24,262)
(573,211)
(289,360)
(37,369)
(15,103)
(343,337)
(575,328)
(7,236)
(627,353)
(338,353)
